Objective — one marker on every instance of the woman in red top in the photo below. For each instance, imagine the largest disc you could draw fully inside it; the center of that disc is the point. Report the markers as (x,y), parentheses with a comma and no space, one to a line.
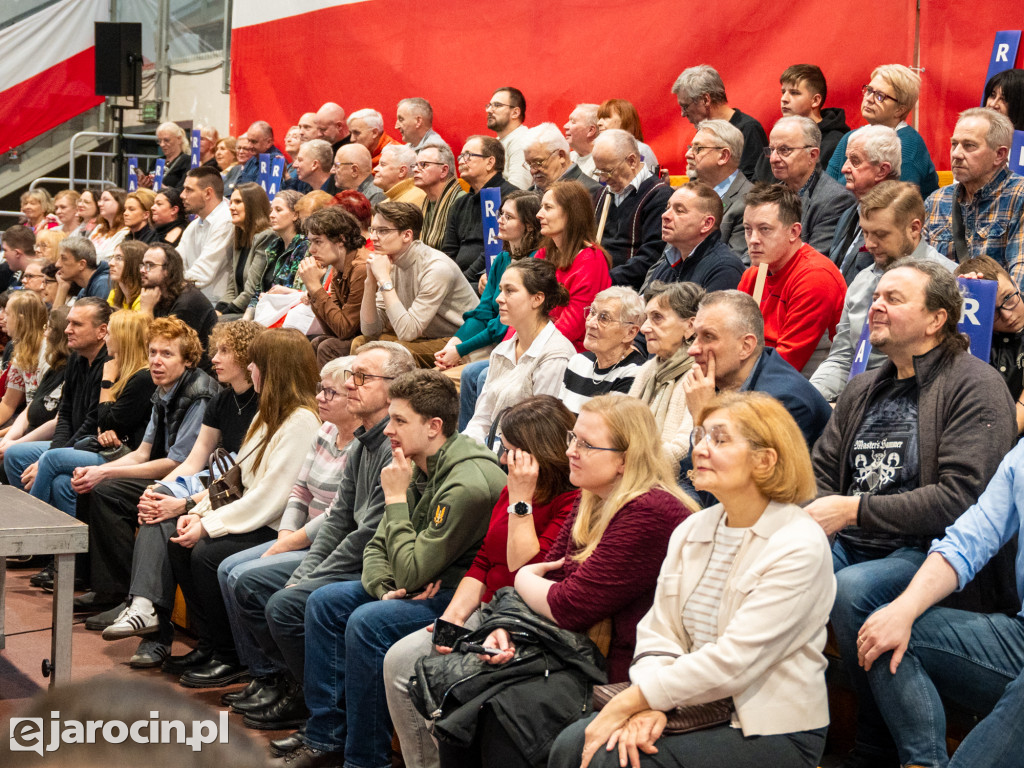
(533,449)
(570,236)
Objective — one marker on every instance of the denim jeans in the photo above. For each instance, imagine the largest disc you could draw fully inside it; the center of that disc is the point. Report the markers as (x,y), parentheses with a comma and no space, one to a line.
(974,660)
(53,481)
(348,632)
(473,377)
(228,573)
(862,586)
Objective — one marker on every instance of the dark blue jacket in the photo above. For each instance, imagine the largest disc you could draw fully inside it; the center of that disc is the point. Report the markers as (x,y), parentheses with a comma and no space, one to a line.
(251,169)
(774,376)
(99,283)
(712,265)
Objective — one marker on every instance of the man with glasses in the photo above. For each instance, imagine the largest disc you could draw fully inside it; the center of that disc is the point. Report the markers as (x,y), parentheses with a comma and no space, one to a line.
(165,292)
(272,600)
(793,155)
(635,199)
(206,244)
(34,279)
(434,173)
(891,216)
(414,294)
(714,159)
(910,446)
(701,96)
(506,112)
(548,159)
(480,164)
(694,251)
(78,267)
(394,175)
(353,169)
(980,215)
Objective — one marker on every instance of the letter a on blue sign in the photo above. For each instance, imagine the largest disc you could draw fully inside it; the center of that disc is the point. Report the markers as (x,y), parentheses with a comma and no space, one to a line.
(490,202)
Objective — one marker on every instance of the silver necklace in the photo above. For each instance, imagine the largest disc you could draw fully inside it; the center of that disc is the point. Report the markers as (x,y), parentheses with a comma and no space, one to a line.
(243,405)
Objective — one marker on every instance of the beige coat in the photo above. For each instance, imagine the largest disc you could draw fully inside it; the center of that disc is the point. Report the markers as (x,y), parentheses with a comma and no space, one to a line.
(675,431)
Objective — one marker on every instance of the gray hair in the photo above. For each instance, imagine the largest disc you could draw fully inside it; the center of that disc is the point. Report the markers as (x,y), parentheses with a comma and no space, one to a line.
(631,305)
(444,152)
(694,82)
(419,107)
(881,144)
(263,127)
(725,132)
(587,113)
(744,315)
(400,359)
(335,369)
(621,142)
(371,117)
(80,248)
(682,298)
(549,136)
(321,151)
(1000,129)
(809,128)
(402,154)
(178,130)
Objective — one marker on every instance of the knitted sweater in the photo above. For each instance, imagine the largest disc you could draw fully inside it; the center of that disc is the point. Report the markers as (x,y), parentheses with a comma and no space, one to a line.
(317,483)
(619,578)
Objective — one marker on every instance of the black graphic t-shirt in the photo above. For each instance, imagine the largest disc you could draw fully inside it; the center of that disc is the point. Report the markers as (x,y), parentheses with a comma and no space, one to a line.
(885,457)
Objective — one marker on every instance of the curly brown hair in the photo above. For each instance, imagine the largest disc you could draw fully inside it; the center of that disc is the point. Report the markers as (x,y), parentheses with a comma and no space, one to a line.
(237,336)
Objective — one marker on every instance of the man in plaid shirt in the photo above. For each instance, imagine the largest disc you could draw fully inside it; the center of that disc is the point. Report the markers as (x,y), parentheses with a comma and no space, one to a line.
(989,196)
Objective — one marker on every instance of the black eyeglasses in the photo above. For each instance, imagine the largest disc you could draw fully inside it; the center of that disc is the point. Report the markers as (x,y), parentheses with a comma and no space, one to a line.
(466,155)
(328,393)
(360,378)
(878,96)
(1010,302)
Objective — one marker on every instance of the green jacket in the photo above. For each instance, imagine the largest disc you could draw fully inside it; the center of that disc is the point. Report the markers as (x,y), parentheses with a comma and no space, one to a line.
(436,533)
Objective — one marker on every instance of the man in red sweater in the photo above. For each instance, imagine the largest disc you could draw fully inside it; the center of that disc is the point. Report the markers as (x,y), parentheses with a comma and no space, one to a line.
(804,291)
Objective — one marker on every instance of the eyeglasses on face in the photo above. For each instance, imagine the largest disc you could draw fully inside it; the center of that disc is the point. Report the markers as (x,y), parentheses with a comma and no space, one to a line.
(328,393)
(1010,302)
(146,266)
(603,318)
(422,165)
(698,148)
(359,378)
(493,105)
(782,152)
(878,96)
(463,156)
(382,230)
(583,446)
(536,165)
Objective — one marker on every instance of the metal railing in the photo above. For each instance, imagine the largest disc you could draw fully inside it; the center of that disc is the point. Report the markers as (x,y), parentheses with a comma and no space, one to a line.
(104,179)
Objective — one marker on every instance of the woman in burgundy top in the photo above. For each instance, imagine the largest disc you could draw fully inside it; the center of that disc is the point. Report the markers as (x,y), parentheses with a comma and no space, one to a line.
(605,562)
(532,447)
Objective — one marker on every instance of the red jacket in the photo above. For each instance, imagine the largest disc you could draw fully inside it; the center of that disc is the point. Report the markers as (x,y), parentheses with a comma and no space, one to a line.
(586,277)
(801,302)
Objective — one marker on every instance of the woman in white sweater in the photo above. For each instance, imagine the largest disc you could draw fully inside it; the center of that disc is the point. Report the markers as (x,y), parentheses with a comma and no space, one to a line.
(285,374)
(738,616)
(671,310)
(532,362)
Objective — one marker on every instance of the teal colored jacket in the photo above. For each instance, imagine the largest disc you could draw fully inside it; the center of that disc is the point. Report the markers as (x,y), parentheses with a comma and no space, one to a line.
(436,533)
(481,326)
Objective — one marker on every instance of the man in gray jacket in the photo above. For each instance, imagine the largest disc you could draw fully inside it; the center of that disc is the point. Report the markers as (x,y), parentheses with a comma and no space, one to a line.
(272,600)
(910,446)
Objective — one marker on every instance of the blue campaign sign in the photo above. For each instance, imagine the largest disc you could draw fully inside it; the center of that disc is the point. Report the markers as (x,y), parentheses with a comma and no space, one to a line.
(861,352)
(1017,153)
(264,178)
(490,203)
(158,175)
(195,147)
(133,174)
(1004,54)
(978,314)
(276,174)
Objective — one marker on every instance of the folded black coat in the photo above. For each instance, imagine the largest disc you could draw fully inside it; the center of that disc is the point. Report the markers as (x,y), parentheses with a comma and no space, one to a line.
(544,689)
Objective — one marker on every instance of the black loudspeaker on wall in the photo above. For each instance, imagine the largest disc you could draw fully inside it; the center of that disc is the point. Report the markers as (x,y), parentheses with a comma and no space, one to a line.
(118,59)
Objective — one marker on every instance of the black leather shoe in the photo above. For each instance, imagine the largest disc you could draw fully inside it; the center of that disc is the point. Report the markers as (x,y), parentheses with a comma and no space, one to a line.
(289,711)
(244,692)
(214,674)
(42,578)
(274,688)
(287,745)
(94,602)
(307,757)
(179,665)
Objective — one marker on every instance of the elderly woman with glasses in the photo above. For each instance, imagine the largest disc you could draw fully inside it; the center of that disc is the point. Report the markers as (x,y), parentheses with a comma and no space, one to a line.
(887,100)
(738,616)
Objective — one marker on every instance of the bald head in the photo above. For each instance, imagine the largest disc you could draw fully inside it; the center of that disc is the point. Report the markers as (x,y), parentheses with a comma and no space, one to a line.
(352,165)
(330,121)
(307,127)
(261,136)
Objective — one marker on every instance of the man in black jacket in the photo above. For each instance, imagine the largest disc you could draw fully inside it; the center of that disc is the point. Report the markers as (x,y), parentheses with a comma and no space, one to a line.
(109,493)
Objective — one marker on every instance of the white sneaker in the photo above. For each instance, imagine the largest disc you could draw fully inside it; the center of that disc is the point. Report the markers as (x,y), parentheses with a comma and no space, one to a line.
(133,621)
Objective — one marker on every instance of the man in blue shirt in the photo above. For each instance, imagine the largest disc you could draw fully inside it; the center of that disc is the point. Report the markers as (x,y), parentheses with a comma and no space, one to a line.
(914,651)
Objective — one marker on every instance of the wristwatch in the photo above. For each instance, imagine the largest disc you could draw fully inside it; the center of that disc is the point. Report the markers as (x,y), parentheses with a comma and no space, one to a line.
(388,286)
(520,509)
(190,504)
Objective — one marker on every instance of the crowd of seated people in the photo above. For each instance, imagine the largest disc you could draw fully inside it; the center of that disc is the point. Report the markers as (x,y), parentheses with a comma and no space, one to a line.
(459,486)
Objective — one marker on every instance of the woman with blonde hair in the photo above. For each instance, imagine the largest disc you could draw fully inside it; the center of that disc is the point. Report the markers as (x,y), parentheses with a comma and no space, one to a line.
(126,275)
(48,244)
(88,211)
(739,615)
(37,208)
(110,227)
(65,208)
(137,207)
(603,565)
(227,163)
(26,325)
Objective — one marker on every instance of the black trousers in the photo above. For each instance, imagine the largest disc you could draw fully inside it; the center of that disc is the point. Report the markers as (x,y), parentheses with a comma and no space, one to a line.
(195,570)
(491,747)
(111,510)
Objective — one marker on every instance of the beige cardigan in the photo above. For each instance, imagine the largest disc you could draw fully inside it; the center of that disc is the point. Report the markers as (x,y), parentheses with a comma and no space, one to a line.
(675,432)
(771,624)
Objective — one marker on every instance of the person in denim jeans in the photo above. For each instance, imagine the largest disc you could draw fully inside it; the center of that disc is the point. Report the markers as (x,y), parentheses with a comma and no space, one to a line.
(915,652)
